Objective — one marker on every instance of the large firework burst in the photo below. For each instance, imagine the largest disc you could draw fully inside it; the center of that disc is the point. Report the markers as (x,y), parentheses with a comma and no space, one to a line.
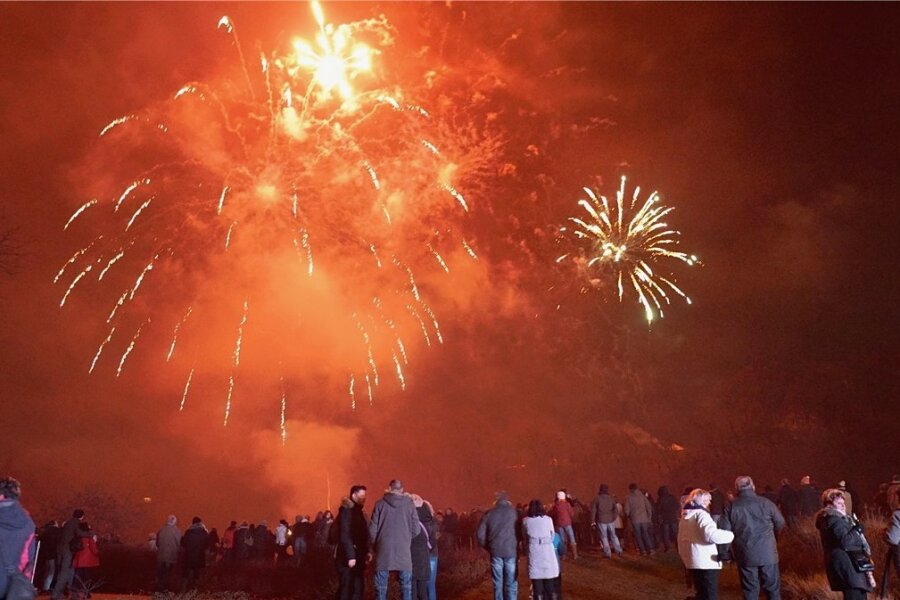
(629,242)
(252,182)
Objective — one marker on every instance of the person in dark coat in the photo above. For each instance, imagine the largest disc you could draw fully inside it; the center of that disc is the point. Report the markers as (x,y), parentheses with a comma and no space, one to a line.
(499,534)
(70,530)
(770,495)
(789,503)
(841,536)
(195,542)
(669,513)
(49,537)
(394,524)
(717,504)
(450,528)
(243,542)
(301,533)
(809,497)
(353,545)
(420,548)
(263,543)
(17,547)
(754,521)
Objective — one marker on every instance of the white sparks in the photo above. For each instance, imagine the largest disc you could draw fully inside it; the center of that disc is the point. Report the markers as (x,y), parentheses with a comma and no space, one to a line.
(228,400)
(187,386)
(369,389)
(225,23)
(130,347)
(240,336)
(456,195)
(117,306)
(375,254)
(372,175)
(100,350)
(438,258)
(352,393)
(304,240)
(437,327)
(187,89)
(431,147)
(133,186)
(138,212)
(111,262)
(224,193)
(470,251)
(78,212)
(140,279)
(87,270)
(74,258)
(228,235)
(400,377)
(283,413)
(175,333)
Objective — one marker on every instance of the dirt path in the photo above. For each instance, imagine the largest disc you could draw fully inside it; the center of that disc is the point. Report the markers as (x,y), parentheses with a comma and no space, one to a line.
(628,578)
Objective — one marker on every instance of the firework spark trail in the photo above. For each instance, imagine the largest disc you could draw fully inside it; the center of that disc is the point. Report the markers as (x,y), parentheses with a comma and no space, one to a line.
(437,327)
(125,119)
(226,23)
(78,212)
(431,147)
(372,175)
(100,350)
(222,196)
(469,250)
(352,392)
(228,400)
(187,386)
(138,212)
(117,306)
(438,258)
(456,195)
(175,333)
(75,281)
(228,235)
(128,190)
(412,280)
(240,336)
(130,347)
(369,389)
(627,245)
(399,371)
(375,254)
(75,257)
(368,343)
(415,313)
(283,412)
(304,241)
(140,279)
(111,262)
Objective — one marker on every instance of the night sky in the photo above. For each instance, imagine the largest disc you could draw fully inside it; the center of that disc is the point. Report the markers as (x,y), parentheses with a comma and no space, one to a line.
(771,128)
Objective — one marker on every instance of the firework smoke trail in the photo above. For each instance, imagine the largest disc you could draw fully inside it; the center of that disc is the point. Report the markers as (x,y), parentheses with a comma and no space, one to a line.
(349,150)
(187,386)
(130,347)
(178,326)
(625,242)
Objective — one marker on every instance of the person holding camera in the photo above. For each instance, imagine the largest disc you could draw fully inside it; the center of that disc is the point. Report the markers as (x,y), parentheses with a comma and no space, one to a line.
(848,563)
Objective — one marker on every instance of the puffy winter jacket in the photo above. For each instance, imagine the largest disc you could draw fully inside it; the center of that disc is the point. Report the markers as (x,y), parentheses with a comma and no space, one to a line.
(697,539)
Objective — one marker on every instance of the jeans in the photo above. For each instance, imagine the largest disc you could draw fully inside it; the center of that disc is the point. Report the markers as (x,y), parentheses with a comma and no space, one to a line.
(64,578)
(49,573)
(504,576)
(432,583)
(564,532)
(642,537)
(765,577)
(607,532)
(163,570)
(381,584)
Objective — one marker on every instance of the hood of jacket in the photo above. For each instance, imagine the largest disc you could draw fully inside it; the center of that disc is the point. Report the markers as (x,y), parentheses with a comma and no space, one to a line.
(827,513)
(12,516)
(346,502)
(396,500)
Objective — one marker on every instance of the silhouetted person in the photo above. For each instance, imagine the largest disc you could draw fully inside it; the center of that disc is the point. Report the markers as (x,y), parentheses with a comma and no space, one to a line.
(168,542)
(640,512)
(195,541)
(393,526)
(604,512)
(352,551)
(789,503)
(498,533)
(64,553)
(754,521)
(716,503)
(668,511)
(17,548)
(49,537)
(809,497)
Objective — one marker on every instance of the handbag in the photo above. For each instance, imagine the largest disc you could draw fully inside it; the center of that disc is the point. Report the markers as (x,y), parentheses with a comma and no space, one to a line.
(861,561)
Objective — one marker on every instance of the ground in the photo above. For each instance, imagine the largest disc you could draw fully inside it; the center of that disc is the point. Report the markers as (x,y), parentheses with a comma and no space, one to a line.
(628,578)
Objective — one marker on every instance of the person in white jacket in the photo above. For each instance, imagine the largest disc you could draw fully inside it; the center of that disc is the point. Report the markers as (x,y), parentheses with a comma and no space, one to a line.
(698,535)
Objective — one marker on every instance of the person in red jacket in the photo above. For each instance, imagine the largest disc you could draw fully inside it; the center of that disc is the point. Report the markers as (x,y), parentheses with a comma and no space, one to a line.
(86,561)
(563,514)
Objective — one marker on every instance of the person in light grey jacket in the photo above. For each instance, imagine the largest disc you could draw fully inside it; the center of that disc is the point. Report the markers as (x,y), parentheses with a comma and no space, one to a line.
(168,543)
(393,526)
(640,512)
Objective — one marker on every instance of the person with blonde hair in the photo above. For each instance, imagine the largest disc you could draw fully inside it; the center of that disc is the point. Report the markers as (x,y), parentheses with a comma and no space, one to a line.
(697,539)
(847,553)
